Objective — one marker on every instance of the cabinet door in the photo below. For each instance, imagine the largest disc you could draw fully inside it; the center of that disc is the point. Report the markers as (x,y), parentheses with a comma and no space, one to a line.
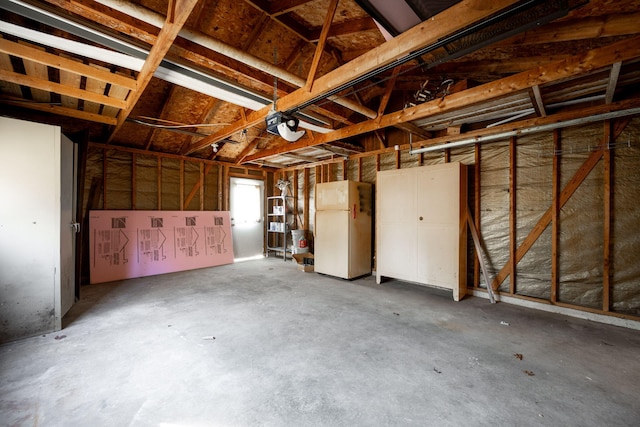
(439,233)
(396,224)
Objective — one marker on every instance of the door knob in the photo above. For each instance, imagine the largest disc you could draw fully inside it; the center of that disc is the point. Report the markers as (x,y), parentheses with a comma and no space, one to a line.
(420,218)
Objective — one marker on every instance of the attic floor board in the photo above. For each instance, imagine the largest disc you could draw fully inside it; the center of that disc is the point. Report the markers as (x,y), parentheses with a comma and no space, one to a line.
(261,343)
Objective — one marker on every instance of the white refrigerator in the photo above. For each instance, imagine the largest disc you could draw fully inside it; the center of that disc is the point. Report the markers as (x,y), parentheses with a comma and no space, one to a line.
(343,225)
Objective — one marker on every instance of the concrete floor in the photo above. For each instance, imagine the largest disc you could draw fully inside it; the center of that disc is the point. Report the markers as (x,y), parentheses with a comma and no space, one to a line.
(263,344)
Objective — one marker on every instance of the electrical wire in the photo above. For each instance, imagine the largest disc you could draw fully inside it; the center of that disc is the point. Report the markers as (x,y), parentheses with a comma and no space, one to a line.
(173,126)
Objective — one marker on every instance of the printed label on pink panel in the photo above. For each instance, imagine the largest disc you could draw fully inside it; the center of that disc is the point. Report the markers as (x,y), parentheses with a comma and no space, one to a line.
(127,244)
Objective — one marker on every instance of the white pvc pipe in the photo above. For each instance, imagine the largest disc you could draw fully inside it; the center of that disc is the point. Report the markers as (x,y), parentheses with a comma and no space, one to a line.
(533,129)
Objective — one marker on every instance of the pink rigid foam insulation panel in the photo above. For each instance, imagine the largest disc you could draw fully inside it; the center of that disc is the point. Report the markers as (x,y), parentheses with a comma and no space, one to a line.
(128,244)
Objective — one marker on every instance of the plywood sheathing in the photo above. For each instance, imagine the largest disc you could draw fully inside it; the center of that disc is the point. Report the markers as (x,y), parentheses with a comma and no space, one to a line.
(183,106)
(150,105)
(521,58)
(584,28)
(229,21)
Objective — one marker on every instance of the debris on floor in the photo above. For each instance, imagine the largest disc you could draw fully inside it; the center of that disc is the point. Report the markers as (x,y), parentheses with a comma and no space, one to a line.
(209,337)
(530,373)
(505,323)
(518,356)
(59,337)
(437,371)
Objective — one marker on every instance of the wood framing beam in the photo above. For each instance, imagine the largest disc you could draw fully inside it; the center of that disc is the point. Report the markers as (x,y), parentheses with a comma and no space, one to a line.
(613,82)
(39,71)
(134,181)
(476,209)
(492,69)
(158,154)
(557,71)
(220,195)
(198,185)
(579,29)
(607,217)
(225,65)
(62,63)
(280,7)
(520,125)
(166,106)
(61,111)
(424,34)
(202,176)
(544,221)
(181,190)
(479,250)
(209,111)
(203,57)
(104,180)
(312,165)
(381,139)
(333,5)
(159,182)
(563,198)
(177,14)
(305,184)
(46,85)
(384,100)
(248,149)
(226,183)
(351,26)
(537,101)
(555,218)
(513,156)
(301,158)
(415,130)
(294,185)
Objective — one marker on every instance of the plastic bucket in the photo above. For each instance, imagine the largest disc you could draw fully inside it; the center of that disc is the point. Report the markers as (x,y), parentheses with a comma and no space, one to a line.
(299,242)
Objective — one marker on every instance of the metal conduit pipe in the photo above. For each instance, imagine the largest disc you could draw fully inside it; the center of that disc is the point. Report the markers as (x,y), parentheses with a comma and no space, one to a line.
(204,40)
(534,129)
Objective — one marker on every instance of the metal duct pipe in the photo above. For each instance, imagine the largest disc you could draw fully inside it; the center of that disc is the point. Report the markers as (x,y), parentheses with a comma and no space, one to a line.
(204,40)
(534,129)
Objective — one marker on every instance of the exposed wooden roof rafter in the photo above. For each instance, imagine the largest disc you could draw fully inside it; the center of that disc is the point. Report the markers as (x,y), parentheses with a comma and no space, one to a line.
(445,23)
(555,72)
(179,11)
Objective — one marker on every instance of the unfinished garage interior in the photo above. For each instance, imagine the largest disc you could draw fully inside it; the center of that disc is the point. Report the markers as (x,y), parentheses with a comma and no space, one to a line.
(326,212)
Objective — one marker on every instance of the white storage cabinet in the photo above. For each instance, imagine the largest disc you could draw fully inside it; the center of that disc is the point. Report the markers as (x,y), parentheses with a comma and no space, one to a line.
(420,227)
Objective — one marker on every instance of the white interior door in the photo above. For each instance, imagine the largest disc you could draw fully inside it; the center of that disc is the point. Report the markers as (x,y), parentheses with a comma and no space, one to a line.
(66,292)
(247,212)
